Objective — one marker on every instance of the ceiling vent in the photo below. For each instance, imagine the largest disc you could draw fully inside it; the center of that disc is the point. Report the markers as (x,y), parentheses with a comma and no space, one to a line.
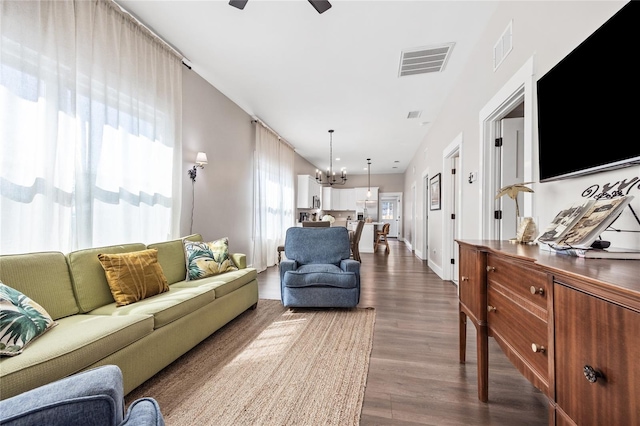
(503,46)
(424,60)
(414,114)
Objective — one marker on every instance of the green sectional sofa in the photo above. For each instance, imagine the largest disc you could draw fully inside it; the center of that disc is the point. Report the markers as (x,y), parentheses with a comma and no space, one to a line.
(141,338)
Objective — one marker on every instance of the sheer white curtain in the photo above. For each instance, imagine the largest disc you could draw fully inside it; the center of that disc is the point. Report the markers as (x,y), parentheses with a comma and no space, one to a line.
(90,128)
(274,196)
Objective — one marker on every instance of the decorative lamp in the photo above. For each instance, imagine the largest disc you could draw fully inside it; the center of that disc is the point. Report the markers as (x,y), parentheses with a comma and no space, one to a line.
(201,160)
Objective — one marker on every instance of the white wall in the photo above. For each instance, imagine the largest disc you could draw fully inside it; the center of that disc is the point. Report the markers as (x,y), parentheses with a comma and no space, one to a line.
(543,32)
(224,189)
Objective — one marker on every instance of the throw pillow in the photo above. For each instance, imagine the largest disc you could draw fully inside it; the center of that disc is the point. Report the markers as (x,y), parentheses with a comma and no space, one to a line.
(21,321)
(133,276)
(207,259)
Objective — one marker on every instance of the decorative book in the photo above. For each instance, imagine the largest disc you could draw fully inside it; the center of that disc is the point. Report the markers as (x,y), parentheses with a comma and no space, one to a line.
(581,223)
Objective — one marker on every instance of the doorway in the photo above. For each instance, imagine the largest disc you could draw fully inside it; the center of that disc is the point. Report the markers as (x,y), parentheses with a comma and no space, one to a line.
(391,212)
(515,97)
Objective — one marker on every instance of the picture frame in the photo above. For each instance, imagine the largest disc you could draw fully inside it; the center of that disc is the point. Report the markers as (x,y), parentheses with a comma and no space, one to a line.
(435,193)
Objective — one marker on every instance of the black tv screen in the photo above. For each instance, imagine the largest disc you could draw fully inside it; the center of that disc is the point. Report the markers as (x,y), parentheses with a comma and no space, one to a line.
(589,103)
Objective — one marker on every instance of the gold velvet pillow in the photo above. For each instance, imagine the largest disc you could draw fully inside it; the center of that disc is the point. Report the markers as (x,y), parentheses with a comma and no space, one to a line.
(134,276)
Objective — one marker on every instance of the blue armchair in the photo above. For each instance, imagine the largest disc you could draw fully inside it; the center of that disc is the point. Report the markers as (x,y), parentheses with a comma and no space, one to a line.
(318,272)
(89,398)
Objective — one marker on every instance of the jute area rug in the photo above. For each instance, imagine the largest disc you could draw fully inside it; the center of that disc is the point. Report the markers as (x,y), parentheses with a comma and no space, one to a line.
(271,366)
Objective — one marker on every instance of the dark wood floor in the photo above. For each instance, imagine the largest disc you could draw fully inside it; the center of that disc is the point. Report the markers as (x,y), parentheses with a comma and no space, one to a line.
(415,377)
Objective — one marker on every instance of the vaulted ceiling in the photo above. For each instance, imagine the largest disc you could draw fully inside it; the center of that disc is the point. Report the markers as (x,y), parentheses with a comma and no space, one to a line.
(303,73)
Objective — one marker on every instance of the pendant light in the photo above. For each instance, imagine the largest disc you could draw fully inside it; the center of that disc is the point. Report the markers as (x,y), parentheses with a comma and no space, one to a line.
(331,176)
(369,177)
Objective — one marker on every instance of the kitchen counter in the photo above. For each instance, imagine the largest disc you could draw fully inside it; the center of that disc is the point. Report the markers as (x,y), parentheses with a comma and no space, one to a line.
(367,239)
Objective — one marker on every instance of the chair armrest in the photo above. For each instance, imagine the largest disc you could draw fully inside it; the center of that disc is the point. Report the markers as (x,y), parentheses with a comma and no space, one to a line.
(286,265)
(92,397)
(143,412)
(350,265)
(240,260)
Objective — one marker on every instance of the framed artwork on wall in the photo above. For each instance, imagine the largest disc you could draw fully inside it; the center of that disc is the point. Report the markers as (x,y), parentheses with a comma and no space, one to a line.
(434,192)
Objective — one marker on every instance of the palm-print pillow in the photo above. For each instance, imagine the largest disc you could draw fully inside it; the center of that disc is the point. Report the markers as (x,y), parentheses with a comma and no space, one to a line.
(207,259)
(21,321)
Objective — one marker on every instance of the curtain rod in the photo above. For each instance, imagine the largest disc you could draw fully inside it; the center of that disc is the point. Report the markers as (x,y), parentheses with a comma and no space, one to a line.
(150,32)
(280,138)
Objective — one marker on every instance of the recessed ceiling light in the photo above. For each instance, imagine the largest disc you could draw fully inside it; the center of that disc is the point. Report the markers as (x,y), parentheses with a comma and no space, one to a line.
(337,158)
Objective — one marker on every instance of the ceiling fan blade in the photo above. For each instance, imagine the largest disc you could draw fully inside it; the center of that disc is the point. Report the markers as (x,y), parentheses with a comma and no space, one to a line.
(240,4)
(320,5)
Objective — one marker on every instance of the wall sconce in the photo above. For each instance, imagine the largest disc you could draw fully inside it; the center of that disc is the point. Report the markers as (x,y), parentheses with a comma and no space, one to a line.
(201,160)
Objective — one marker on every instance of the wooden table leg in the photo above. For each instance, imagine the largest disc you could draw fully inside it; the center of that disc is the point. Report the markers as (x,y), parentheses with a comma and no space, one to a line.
(463,337)
(483,363)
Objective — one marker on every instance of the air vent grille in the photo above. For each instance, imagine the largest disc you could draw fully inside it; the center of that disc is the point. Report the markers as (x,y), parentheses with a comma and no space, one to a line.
(424,60)
(414,114)
(503,46)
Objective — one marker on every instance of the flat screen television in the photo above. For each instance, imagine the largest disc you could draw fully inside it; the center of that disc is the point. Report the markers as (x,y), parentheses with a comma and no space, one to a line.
(589,103)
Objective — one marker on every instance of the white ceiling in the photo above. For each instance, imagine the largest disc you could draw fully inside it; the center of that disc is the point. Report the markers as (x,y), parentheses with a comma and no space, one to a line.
(303,73)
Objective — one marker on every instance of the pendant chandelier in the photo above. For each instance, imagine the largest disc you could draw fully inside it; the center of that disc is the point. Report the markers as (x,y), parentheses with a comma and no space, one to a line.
(369,177)
(331,176)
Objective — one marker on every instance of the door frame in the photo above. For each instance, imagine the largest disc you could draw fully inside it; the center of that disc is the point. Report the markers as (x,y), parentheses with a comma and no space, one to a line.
(519,89)
(425,214)
(398,197)
(451,199)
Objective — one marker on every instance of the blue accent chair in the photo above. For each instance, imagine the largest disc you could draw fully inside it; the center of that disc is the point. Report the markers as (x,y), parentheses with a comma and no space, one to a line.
(90,398)
(318,271)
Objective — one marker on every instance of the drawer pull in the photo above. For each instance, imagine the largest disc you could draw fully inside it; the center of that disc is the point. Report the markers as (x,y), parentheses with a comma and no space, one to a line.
(491,308)
(465,278)
(535,290)
(591,373)
(538,348)
(491,268)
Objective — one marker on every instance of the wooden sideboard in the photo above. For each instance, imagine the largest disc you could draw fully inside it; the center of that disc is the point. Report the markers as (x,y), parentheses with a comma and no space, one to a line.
(571,326)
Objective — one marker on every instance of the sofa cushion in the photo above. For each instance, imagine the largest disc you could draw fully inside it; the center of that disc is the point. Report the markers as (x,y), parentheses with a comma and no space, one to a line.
(76,343)
(133,276)
(207,259)
(320,275)
(21,321)
(88,278)
(166,307)
(43,277)
(223,284)
(171,257)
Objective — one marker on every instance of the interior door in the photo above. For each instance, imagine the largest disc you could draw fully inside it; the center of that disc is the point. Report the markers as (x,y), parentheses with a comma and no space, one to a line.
(512,171)
(390,214)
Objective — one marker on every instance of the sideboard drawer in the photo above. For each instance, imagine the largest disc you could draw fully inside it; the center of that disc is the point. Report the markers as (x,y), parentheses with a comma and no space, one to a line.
(525,281)
(521,333)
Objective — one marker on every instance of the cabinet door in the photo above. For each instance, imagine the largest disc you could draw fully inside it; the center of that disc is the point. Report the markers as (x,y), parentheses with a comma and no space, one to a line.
(327,202)
(348,199)
(472,288)
(598,336)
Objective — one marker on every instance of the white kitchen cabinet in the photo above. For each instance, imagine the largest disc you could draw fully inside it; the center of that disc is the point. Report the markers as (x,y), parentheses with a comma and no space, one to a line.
(327,198)
(361,194)
(347,199)
(309,192)
(338,199)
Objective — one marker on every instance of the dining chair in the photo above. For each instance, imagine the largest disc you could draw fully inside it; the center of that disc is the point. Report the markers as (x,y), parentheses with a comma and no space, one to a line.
(381,236)
(316,224)
(355,241)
